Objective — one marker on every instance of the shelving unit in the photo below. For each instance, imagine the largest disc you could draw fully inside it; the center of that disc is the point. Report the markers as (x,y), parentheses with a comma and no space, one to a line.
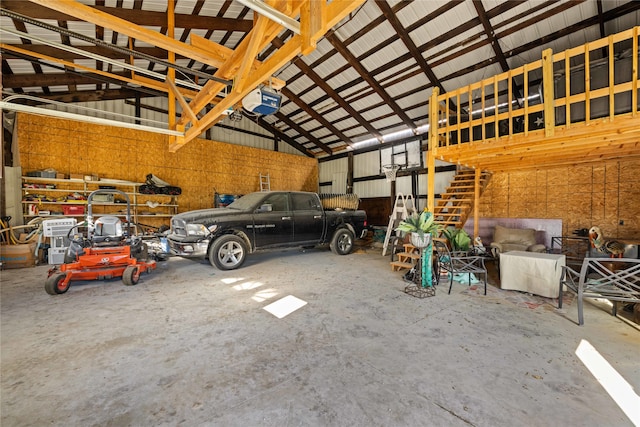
(55,196)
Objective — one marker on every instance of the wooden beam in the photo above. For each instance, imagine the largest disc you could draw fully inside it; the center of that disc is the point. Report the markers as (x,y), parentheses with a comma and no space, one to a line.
(183,102)
(139,17)
(205,44)
(335,12)
(373,83)
(317,116)
(253,47)
(312,17)
(293,125)
(490,33)
(277,60)
(286,138)
(214,58)
(548,87)
(152,84)
(212,88)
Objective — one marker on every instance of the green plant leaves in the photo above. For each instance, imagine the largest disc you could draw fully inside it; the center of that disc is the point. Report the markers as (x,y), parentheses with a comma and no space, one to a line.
(421,224)
(458,238)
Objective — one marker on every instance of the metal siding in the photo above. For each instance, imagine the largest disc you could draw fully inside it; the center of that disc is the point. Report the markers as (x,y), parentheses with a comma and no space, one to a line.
(326,170)
(366,164)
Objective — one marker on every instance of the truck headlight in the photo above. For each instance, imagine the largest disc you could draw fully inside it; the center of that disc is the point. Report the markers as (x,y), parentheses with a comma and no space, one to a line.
(196,230)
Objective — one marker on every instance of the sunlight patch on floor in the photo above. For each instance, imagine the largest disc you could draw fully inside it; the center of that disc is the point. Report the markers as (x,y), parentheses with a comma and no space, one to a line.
(285,306)
(618,388)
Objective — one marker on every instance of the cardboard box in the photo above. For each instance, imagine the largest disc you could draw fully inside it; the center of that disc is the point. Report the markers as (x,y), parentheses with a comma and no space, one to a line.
(59,176)
(18,256)
(75,176)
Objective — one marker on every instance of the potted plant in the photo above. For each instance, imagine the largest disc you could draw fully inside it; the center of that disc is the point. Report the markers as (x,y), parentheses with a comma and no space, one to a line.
(458,238)
(421,228)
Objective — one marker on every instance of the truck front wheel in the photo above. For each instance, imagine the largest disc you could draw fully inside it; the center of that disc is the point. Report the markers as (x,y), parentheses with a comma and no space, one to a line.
(342,242)
(228,252)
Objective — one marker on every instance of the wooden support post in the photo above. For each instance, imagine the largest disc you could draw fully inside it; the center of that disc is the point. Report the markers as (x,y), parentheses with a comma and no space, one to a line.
(634,72)
(431,152)
(476,203)
(548,89)
(171,72)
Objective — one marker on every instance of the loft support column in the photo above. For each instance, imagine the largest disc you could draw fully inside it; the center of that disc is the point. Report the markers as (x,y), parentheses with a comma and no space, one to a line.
(171,72)
(547,92)
(431,156)
(476,203)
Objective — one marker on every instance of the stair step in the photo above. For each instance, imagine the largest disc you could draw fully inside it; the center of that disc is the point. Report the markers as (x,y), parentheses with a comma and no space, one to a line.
(406,256)
(446,201)
(408,247)
(397,266)
(454,223)
(455,198)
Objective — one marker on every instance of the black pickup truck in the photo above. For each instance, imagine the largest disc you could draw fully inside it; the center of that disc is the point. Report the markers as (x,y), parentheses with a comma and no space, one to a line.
(263,220)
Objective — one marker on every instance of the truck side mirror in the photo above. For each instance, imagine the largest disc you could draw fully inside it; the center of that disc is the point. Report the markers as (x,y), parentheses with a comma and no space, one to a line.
(265,208)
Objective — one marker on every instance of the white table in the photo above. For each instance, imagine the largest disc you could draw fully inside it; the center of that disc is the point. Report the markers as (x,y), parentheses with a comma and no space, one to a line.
(532,272)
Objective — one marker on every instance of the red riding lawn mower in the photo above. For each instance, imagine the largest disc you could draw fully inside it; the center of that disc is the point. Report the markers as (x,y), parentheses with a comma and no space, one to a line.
(108,250)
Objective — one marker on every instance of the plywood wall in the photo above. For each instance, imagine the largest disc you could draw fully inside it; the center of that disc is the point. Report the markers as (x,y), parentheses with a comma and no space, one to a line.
(200,168)
(604,194)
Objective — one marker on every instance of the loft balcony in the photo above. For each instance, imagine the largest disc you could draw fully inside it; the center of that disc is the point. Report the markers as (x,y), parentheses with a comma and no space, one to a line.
(577,106)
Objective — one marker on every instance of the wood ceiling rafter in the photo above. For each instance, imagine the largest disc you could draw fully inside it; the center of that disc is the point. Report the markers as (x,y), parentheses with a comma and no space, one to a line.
(284,137)
(502,8)
(335,12)
(490,33)
(123,77)
(303,132)
(305,123)
(215,58)
(403,34)
(322,84)
(313,113)
(367,28)
(135,16)
(612,14)
(364,73)
(99,35)
(402,58)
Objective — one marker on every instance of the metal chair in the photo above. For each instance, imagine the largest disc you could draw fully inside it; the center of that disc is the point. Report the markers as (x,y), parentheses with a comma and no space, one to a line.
(459,263)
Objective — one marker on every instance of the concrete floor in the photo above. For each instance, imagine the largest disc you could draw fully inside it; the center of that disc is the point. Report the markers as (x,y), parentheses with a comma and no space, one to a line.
(191,345)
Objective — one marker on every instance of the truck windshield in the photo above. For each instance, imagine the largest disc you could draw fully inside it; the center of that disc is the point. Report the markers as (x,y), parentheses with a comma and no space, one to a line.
(247,202)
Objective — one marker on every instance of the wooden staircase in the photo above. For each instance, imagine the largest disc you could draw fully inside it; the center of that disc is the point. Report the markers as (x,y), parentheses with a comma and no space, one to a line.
(406,259)
(456,203)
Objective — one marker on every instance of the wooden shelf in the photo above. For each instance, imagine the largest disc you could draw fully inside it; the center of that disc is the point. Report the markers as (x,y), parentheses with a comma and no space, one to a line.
(139,209)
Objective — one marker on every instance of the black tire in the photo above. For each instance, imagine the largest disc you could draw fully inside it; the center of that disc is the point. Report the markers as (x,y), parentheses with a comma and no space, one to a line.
(131,275)
(342,242)
(54,285)
(228,252)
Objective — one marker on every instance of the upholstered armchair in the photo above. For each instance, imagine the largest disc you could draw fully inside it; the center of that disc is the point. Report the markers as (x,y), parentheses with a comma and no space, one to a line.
(514,239)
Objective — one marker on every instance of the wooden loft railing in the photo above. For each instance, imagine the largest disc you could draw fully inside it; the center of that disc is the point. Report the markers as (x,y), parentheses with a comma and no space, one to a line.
(577,106)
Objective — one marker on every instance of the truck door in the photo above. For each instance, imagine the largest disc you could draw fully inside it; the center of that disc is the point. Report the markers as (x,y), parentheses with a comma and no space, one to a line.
(273,221)
(308,218)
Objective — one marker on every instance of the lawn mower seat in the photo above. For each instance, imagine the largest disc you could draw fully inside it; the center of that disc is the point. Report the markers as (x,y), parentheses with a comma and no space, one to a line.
(108,231)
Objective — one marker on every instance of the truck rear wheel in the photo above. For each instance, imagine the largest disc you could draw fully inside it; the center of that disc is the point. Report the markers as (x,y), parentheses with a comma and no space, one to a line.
(228,252)
(342,242)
